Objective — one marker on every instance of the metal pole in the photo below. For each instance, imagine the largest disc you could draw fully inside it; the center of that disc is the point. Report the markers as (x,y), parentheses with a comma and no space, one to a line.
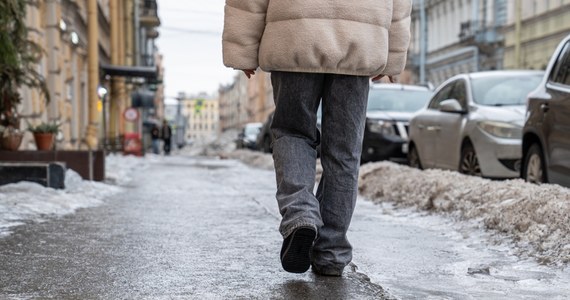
(423,42)
(518,24)
(137,33)
(92,137)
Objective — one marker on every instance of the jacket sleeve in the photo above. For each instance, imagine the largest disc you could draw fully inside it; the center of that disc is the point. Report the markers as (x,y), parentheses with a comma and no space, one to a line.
(399,37)
(244,23)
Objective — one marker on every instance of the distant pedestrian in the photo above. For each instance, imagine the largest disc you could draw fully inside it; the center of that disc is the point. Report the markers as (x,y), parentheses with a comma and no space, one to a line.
(318,50)
(155,139)
(166,134)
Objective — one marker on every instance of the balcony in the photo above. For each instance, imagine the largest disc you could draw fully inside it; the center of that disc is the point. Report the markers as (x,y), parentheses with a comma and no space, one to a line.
(149,14)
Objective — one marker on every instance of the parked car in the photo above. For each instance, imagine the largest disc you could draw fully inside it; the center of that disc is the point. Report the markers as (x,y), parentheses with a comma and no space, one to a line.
(390,108)
(247,138)
(473,124)
(546,133)
(264,137)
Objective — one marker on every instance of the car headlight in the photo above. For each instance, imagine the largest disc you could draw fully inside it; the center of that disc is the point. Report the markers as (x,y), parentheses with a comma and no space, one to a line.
(382,127)
(501,129)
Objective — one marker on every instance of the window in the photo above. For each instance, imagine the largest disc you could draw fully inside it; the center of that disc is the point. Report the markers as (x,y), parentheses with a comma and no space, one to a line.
(442,95)
(459,93)
(561,71)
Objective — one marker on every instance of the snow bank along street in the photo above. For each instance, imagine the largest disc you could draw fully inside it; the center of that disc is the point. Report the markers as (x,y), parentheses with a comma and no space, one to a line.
(537,218)
(26,202)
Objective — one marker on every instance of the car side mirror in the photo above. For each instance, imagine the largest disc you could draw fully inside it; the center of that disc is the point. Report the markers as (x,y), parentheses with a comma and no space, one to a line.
(451,106)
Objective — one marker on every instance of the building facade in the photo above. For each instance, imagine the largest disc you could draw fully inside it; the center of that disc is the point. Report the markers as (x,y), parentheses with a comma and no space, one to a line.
(60,27)
(126,33)
(203,119)
(543,24)
(260,97)
(234,103)
(459,36)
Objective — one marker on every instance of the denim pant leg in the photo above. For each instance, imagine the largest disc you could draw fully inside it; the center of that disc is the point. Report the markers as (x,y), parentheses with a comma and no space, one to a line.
(344,115)
(294,128)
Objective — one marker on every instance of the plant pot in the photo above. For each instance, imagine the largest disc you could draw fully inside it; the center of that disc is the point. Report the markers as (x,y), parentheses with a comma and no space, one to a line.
(44,141)
(12,141)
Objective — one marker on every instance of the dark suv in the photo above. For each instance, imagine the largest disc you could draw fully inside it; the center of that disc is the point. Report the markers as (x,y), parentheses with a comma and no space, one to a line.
(390,108)
(546,134)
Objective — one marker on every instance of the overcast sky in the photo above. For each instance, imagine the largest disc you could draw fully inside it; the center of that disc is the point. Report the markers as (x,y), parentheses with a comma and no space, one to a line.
(191,41)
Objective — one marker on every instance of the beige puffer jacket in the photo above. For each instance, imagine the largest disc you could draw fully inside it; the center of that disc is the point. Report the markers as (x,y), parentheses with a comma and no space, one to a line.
(353,37)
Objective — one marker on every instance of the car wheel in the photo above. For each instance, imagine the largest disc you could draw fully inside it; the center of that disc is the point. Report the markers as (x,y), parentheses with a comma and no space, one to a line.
(534,166)
(414,158)
(469,164)
(267,144)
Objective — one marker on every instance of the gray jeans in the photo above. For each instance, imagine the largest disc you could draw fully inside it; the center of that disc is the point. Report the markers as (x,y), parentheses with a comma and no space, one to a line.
(296,137)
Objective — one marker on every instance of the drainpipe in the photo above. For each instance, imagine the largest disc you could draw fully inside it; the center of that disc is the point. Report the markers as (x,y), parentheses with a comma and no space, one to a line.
(423,42)
(137,33)
(115,85)
(518,24)
(92,137)
(475,16)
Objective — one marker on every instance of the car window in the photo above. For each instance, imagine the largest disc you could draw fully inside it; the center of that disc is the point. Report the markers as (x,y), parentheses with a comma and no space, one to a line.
(561,71)
(397,100)
(442,95)
(252,130)
(508,89)
(459,93)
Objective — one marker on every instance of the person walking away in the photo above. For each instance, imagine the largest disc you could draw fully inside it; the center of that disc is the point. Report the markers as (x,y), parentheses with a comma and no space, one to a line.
(155,139)
(317,51)
(166,134)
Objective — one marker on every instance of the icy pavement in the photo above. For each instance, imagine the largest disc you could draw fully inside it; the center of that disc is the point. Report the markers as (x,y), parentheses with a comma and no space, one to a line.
(185,228)
(416,254)
(201,228)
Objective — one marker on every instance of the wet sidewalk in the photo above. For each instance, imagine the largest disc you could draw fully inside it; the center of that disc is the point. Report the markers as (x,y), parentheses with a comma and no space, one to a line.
(183,229)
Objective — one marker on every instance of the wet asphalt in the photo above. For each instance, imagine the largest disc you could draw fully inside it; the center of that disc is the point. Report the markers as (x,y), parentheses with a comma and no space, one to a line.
(184,228)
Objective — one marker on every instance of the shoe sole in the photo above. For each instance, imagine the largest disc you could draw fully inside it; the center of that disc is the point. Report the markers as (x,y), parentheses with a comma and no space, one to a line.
(297,256)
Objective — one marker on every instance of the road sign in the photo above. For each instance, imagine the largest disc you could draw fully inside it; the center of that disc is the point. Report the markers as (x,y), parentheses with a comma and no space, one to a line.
(131,114)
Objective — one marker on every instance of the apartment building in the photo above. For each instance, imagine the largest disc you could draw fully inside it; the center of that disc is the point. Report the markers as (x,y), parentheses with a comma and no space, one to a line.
(533,30)
(126,33)
(203,118)
(459,36)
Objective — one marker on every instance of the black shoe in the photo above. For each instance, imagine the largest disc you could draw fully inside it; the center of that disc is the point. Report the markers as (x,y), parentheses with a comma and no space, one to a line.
(296,250)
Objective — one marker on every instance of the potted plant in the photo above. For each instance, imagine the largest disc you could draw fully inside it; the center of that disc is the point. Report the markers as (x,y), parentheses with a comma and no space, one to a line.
(19,57)
(44,134)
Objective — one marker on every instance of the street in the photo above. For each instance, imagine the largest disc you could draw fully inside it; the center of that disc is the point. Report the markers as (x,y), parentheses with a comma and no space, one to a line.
(201,228)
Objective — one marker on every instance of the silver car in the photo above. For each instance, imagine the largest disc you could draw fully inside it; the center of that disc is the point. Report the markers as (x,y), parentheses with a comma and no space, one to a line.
(473,124)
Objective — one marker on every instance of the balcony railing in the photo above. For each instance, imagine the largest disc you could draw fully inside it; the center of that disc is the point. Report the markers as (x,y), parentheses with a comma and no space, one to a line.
(147,60)
(149,13)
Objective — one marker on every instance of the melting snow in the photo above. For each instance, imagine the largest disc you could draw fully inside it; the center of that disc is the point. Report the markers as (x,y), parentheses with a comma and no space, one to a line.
(30,202)
(536,218)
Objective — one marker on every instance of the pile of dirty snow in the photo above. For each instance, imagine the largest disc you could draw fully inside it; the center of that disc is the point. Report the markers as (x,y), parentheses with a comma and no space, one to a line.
(30,202)
(537,218)
(224,143)
(251,158)
(118,167)
(26,201)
